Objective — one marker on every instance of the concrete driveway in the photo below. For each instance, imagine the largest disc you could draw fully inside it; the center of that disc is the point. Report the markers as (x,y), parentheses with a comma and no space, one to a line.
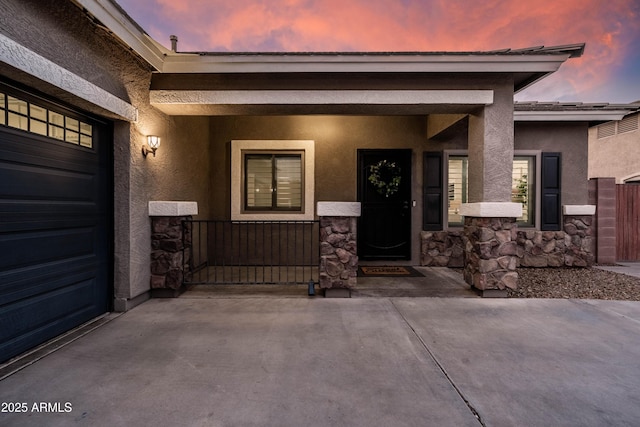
(342,362)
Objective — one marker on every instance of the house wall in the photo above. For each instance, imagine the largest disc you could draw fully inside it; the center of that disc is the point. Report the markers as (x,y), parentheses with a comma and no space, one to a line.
(569,138)
(337,139)
(62,33)
(605,159)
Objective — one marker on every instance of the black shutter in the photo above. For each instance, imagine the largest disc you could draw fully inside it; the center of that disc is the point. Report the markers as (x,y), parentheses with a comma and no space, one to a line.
(550,194)
(433,191)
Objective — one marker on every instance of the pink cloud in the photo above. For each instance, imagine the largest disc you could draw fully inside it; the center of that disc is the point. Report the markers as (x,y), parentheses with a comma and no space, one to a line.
(611,29)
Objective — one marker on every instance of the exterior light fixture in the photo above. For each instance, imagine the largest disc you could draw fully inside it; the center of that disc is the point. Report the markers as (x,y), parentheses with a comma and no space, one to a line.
(153,142)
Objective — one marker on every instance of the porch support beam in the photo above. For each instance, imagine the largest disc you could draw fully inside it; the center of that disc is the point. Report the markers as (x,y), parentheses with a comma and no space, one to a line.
(490,218)
(199,102)
(491,151)
(306,97)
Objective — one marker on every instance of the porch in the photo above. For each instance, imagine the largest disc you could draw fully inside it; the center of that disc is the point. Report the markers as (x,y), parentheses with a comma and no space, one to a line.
(288,259)
(435,282)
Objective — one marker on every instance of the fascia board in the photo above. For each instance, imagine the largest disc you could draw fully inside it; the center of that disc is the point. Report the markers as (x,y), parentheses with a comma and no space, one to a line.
(568,116)
(396,63)
(126,30)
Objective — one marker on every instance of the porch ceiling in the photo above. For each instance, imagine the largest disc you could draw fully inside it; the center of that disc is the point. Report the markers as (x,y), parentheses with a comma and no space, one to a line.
(290,102)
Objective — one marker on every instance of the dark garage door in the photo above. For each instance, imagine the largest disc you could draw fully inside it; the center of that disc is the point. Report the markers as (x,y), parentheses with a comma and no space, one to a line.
(55,221)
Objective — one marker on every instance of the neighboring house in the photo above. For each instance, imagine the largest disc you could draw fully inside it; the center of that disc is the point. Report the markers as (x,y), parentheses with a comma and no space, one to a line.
(419,139)
(614,149)
(614,160)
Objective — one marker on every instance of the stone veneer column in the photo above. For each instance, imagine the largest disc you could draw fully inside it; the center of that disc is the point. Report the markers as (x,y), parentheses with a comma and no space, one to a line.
(490,246)
(170,246)
(578,224)
(338,247)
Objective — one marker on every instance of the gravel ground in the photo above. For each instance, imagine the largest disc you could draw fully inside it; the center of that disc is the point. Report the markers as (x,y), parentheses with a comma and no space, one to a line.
(581,283)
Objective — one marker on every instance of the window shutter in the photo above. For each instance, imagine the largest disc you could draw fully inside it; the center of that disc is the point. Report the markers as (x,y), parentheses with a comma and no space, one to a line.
(433,191)
(550,193)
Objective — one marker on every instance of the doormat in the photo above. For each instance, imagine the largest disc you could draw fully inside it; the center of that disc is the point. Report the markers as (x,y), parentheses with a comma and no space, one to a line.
(388,271)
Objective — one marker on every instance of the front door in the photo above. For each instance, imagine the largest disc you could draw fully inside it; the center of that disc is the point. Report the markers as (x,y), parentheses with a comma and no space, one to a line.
(384,191)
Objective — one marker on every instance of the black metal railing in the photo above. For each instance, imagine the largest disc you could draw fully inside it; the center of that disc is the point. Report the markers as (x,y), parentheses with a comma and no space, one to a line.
(252,252)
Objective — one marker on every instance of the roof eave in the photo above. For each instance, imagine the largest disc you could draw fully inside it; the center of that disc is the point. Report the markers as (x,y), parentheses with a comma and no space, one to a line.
(126,29)
(569,115)
(540,60)
(362,63)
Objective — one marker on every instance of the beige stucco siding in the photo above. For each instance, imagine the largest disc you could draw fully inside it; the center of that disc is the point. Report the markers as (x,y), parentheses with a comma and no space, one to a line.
(616,156)
(337,139)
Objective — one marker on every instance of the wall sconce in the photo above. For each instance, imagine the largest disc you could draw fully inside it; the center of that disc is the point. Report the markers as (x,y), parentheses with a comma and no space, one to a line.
(153,142)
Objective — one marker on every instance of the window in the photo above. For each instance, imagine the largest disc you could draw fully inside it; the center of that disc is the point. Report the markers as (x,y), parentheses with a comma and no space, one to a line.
(522,189)
(273,181)
(20,114)
(2,109)
(457,188)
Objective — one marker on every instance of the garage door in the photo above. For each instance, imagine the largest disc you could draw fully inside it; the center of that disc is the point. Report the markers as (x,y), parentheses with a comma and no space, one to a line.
(55,220)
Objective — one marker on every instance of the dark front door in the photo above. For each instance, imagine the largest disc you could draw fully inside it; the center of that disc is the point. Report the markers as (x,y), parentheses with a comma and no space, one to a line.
(384,191)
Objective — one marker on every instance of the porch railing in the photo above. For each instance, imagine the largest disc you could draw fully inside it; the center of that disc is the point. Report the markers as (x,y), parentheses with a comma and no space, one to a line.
(252,252)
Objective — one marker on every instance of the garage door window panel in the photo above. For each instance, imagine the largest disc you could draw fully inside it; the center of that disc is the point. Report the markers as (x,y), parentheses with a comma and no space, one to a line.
(20,114)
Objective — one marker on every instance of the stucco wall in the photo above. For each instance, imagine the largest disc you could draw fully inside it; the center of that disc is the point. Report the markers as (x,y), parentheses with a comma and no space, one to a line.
(63,34)
(616,156)
(570,139)
(337,139)
(491,147)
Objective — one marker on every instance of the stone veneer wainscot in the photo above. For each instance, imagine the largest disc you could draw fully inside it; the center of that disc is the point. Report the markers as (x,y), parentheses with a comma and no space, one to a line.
(574,246)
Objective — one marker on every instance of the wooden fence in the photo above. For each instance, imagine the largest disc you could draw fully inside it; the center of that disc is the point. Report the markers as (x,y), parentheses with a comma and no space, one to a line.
(628,222)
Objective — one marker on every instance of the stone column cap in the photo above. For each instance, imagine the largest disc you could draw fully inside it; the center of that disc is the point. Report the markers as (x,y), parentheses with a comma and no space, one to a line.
(491,209)
(172,208)
(579,209)
(338,209)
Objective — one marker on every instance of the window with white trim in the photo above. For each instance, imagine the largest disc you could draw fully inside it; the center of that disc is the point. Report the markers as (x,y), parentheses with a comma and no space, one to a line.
(272,180)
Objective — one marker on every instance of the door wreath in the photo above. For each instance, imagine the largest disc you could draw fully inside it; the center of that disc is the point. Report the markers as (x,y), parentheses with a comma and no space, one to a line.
(385,177)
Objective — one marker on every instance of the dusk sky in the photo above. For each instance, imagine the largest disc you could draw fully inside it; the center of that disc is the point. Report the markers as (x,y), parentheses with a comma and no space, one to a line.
(609,71)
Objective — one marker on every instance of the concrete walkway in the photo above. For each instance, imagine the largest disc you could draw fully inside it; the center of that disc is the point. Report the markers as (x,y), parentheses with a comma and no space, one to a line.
(628,268)
(342,362)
